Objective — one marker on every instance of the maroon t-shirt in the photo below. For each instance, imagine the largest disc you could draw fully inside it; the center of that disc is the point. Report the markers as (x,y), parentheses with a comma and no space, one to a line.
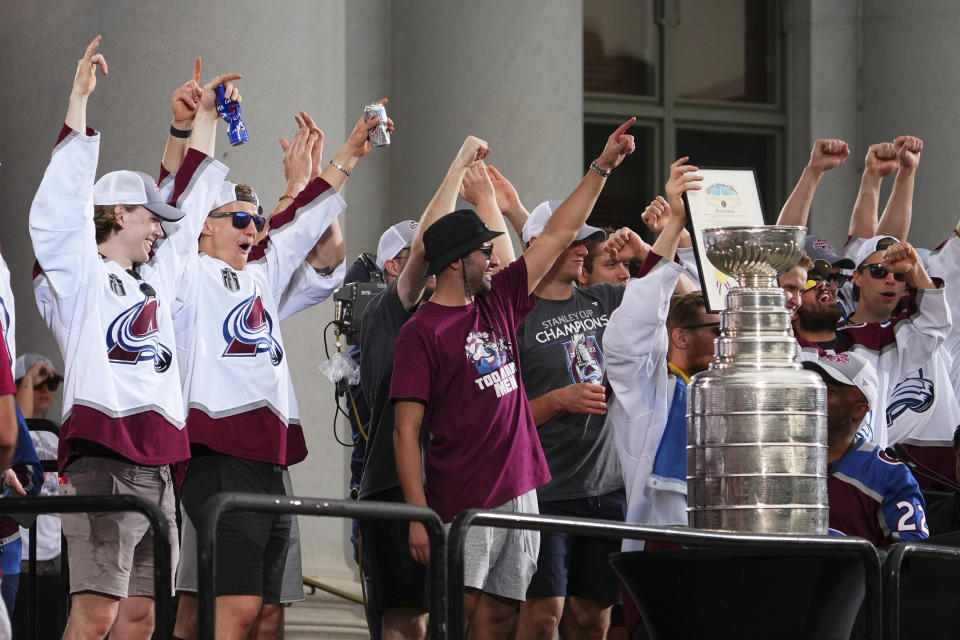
(462,362)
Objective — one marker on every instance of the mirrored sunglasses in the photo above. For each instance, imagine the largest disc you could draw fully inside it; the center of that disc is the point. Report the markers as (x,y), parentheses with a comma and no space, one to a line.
(241,219)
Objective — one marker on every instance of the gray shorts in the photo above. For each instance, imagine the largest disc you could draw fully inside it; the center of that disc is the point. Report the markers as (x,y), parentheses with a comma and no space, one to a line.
(502,561)
(292,588)
(112,553)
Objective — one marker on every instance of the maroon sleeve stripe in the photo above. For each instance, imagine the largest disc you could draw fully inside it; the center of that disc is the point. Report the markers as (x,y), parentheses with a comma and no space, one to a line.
(65,131)
(648,263)
(37,269)
(163,174)
(317,186)
(258,250)
(191,162)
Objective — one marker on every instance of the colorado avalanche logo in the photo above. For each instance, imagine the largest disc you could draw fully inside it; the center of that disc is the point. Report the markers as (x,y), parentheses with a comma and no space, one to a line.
(133,336)
(486,355)
(248,330)
(914,393)
(5,319)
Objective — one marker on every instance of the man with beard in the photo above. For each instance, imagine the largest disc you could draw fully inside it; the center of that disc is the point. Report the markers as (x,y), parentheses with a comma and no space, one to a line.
(398,582)
(460,356)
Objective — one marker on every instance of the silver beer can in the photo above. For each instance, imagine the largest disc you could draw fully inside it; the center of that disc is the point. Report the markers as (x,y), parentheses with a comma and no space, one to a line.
(379,136)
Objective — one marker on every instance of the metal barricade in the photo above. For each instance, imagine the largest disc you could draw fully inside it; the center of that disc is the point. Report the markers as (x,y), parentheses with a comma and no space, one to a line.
(679,535)
(943,589)
(359,509)
(162,576)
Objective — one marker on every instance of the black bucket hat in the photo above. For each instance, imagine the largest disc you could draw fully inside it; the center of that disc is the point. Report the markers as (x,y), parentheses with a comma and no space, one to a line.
(452,237)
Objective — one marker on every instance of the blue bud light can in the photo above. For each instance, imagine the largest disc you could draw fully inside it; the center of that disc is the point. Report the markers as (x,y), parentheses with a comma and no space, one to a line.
(379,136)
(230,111)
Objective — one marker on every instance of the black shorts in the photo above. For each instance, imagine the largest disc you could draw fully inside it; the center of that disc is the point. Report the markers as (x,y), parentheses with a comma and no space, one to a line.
(573,565)
(251,547)
(396,578)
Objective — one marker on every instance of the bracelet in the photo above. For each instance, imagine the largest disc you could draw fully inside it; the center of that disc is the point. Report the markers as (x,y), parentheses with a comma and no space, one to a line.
(284,197)
(340,166)
(603,172)
(180,133)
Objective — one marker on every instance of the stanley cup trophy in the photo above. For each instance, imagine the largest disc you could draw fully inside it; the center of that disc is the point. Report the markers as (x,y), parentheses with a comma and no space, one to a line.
(756,421)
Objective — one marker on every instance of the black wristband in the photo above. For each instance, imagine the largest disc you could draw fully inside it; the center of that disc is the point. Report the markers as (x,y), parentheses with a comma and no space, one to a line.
(180,133)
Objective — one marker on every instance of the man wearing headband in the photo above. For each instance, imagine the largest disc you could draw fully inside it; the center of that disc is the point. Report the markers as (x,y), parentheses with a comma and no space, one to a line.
(243,421)
(110,256)
(460,356)
(871,495)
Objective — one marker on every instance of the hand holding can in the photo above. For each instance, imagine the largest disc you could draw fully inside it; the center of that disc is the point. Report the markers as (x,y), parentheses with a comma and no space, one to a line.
(380,135)
(230,111)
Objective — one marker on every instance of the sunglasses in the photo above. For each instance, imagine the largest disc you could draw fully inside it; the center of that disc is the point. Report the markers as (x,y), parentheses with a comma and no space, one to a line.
(879,272)
(486,250)
(145,288)
(704,325)
(51,384)
(241,219)
(839,279)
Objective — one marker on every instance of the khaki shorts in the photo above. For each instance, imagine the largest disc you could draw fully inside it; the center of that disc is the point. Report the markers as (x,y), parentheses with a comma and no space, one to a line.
(112,553)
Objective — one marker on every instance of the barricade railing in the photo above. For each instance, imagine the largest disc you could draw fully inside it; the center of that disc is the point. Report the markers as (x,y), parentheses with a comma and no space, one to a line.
(678,535)
(354,509)
(162,572)
(893,568)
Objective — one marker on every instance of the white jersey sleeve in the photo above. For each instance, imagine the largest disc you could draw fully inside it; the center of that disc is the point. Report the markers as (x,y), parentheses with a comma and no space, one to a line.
(61,219)
(195,186)
(307,288)
(293,232)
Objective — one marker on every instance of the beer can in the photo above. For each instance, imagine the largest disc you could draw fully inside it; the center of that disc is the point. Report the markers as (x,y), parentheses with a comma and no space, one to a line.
(380,135)
(230,111)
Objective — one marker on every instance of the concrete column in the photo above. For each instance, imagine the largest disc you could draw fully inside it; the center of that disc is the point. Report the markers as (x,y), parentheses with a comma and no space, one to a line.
(823,93)
(909,87)
(508,72)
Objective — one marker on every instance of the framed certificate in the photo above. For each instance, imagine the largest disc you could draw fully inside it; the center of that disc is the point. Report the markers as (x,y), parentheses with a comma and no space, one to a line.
(727,198)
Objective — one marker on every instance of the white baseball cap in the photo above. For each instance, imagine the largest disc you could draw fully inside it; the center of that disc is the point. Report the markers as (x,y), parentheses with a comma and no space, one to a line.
(870,246)
(394,240)
(541,214)
(849,368)
(27,360)
(228,193)
(134,188)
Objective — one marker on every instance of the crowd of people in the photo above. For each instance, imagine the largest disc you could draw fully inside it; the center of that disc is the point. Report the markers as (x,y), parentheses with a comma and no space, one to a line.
(551,382)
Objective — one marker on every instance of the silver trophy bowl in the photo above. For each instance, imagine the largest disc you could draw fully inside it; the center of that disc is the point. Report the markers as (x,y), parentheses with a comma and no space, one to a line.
(754,255)
(756,421)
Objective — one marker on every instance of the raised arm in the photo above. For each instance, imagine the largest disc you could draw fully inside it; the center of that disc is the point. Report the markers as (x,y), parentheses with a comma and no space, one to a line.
(184,102)
(411,282)
(84,82)
(897,215)
(508,200)
(356,146)
(566,221)
(478,190)
(881,161)
(826,155)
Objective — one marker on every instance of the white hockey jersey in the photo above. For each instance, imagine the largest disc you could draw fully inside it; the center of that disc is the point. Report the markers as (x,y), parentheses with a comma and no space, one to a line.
(8,318)
(635,345)
(114,326)
(236,380)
